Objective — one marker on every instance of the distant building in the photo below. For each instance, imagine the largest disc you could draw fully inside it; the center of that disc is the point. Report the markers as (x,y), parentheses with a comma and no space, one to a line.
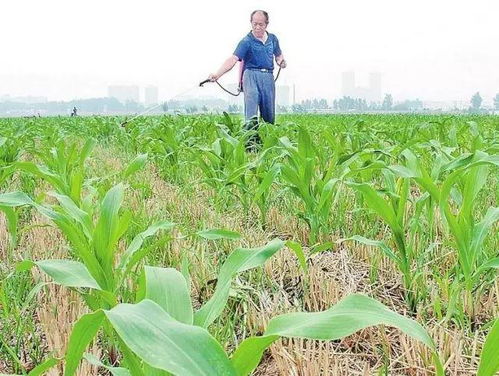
(124,93)
(372,93)
(282,95)
(151,96)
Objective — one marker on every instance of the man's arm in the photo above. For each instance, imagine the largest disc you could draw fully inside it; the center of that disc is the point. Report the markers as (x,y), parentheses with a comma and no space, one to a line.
(226,66)
(280,61)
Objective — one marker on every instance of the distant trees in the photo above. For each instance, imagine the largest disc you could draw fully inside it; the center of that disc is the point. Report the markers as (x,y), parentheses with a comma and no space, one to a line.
(191,109)
(132,106)
(84,106)
(314,104)
(348,103)
(307,105)
(476,101)
(496,101)
(297,108)
(282,109)
(409,105)
(387,102)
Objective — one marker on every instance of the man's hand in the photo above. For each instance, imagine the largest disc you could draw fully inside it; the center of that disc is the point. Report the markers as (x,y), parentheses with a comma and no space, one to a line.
(213,77)
(283,64)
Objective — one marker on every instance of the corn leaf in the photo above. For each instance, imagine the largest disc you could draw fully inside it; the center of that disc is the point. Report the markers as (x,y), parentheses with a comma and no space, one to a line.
(489,359)
(64,272)
(168,288)
(83,333)
(164,343)
(115,371)
(377,243)
(137,164)
(12,220)
(300,255)
(378,204)
(106,231)
(215,234)
(13,199)
(128,259)
(237,262)
(351,314)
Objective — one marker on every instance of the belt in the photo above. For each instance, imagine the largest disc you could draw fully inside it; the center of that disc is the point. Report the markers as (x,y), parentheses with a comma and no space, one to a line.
(265,70)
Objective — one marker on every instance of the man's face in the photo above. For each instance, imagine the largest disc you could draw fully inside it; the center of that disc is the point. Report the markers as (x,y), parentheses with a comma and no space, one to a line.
(259,24)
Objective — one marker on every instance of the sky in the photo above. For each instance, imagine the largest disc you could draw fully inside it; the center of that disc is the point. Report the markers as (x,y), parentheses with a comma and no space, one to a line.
(429,49)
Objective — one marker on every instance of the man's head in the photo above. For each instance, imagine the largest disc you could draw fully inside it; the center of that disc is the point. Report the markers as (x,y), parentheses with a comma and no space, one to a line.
(259,21)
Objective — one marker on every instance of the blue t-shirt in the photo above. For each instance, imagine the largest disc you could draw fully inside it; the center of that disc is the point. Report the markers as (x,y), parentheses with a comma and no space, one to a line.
(255,53)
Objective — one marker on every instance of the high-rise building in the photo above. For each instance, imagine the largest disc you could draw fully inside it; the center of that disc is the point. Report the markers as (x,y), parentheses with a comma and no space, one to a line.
(124,93)
(151,96)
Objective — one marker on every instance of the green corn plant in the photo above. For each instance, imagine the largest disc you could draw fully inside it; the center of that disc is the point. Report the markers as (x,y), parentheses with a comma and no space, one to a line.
(166,141)
(66,176)
(165,344)
(103,183)
(96,270)
(261,194)
(10,151)
(470,234)
(315,190)
(234,127)
(8,203)
(93,242)
(63,167)
(162,285)
(17,294)
(163,333)
(225,166)
(393,213)
(456,196)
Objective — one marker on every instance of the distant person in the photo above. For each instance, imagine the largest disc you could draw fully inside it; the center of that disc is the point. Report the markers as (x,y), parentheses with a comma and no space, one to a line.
(256,51)
(74,112)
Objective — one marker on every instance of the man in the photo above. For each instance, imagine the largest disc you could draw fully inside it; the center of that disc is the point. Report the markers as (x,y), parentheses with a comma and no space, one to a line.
(257,50)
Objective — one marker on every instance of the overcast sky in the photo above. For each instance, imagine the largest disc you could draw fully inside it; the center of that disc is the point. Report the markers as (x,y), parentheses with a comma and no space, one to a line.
(429,49)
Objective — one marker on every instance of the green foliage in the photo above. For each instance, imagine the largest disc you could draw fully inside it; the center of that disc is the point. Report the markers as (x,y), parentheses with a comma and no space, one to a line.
(423,193)
(489,361)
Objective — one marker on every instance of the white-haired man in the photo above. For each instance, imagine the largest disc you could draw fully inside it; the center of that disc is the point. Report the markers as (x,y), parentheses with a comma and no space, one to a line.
(257,50)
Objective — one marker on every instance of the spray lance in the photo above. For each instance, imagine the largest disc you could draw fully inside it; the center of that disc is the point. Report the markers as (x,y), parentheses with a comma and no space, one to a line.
(239,91)
(124,123)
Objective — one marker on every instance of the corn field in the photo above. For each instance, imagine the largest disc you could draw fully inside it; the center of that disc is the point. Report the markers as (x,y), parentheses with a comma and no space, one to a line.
(343,245)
